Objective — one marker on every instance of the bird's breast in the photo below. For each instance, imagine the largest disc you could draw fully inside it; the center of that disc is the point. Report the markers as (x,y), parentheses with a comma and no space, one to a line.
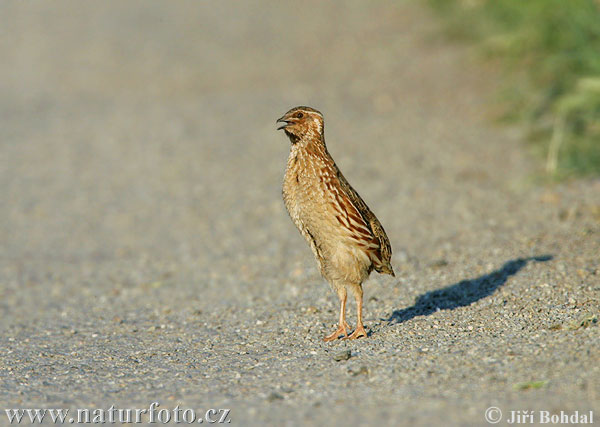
(308,195)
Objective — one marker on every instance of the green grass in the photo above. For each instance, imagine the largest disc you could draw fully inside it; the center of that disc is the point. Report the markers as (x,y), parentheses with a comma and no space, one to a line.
(528,385)
(550,50)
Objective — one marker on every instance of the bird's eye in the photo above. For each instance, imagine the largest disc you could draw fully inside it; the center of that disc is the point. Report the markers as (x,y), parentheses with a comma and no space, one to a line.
(299,115)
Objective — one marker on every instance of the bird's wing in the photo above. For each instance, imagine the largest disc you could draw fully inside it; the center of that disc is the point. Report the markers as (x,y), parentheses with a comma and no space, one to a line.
(368,228)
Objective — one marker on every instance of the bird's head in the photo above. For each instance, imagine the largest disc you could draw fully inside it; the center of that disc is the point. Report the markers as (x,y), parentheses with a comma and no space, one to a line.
(302,122)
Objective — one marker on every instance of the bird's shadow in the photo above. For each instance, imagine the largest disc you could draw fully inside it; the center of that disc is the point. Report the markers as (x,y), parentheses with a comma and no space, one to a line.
(463,293)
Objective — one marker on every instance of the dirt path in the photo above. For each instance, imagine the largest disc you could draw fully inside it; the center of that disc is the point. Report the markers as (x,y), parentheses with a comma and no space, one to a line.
(146,254)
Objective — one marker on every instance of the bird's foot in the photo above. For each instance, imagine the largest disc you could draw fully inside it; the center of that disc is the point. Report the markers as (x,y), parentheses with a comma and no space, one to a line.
(341,330)
(358,332)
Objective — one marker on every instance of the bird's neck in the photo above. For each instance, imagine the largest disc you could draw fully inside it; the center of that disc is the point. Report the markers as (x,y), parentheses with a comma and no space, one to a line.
(294,139)
(309,146)
(307,140)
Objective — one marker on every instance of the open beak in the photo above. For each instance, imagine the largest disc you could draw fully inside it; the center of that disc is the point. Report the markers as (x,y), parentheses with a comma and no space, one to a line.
(282,120)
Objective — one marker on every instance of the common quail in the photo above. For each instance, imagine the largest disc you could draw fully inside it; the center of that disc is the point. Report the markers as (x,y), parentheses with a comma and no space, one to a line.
(346,238)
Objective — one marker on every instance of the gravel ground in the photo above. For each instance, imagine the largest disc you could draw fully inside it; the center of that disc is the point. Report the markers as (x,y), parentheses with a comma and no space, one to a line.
(146,254)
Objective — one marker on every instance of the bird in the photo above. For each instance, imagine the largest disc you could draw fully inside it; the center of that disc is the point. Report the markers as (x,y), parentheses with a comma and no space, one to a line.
(346,238)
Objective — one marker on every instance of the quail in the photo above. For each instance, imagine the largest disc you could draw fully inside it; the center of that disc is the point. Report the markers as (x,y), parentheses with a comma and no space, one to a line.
(346,238)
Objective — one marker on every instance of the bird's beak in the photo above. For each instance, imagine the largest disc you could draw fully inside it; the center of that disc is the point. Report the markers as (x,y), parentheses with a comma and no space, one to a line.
(282,120)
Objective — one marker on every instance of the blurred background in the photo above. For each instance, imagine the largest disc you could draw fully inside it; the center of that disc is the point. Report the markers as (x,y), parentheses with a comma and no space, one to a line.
(125,126)
(548,53)
(116,113)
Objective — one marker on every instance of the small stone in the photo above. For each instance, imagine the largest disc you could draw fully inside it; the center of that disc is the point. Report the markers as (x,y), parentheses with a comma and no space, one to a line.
(343,355)
(585,321)
(274,396)
(439,263)
(363,370)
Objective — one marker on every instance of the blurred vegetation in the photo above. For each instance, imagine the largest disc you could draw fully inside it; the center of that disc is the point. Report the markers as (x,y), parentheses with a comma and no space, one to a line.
(551,50)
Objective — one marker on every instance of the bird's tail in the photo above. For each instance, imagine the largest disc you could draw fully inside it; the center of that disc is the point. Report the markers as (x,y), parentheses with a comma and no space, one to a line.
(385,269)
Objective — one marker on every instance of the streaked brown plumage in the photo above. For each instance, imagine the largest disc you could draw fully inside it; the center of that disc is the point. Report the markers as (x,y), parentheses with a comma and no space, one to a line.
(346,238)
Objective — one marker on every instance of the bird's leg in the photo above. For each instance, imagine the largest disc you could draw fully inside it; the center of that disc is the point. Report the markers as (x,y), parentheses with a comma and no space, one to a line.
(343,325)
(360,329)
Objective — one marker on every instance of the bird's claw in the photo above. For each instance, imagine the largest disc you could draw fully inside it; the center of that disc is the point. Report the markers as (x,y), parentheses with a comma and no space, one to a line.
(335,335)
(359,332)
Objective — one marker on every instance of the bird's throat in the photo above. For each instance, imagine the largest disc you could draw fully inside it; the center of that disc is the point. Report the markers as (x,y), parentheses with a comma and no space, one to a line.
(293,138)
